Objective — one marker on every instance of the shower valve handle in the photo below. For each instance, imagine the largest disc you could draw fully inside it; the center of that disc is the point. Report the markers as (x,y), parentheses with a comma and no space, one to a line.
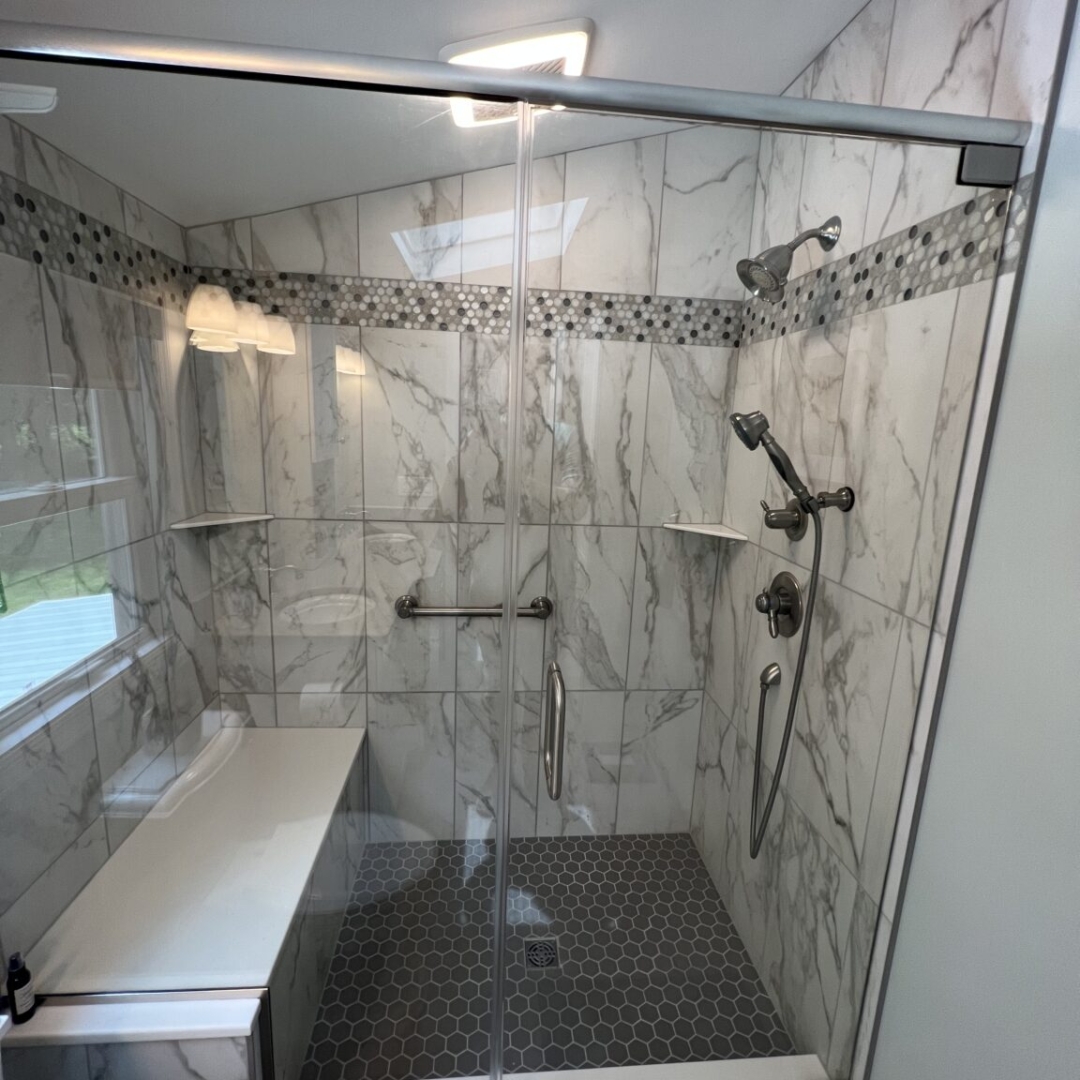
(781,601)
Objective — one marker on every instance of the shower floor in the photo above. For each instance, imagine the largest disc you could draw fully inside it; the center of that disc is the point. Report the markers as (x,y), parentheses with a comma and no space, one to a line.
(650,968)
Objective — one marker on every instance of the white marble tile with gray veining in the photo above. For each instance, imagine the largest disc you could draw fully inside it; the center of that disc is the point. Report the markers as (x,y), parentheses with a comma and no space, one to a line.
(896,362)
(411,739)
(659,756)
(600,404)
(479,722)
(182,1059)
(674,579)
(37,542)
(320,238)
(319,602)
(487,231)
(128,803)
(184,566)
(411,396)
(480,584)
(412,232)
(946,455)
(853,985)
(249,710)
(852,67)
(482,480)
(312,416)
(893,759)
(709,175)
(687,437)
(194,738)
(591,585)
(420,559)
(23,360)
(240,569)
(776,189)
(614,245)
(223,244)
(729,629)
(805,410)
(31,462)
(152,228)
(845,695)
(229,389)
(591,758)
(50,794)
(321,710)
(808,936)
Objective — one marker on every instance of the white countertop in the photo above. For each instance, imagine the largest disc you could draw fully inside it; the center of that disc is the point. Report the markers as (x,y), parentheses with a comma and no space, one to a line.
(202,893)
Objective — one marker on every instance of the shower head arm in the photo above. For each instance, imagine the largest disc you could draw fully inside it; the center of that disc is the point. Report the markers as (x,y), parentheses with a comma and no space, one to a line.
(826,235)
(782,463)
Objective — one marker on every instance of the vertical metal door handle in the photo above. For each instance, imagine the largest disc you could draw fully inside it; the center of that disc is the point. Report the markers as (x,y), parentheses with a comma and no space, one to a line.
(554,735)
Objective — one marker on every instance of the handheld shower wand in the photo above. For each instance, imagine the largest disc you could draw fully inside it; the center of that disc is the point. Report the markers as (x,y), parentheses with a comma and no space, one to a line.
(753,430)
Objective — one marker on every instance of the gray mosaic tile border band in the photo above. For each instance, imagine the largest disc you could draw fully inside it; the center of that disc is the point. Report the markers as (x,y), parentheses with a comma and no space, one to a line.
(41,229)
(958,247)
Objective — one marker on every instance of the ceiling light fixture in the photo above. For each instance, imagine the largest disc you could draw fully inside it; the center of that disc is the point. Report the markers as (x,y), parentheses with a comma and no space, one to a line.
(554,49)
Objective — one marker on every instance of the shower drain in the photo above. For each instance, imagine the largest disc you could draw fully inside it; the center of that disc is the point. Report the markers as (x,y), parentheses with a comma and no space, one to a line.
(542,954)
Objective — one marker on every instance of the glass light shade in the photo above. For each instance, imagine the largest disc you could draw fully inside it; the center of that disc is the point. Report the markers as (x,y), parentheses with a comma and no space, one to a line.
(210,310)
(281,341)
(252,329)
(219,343)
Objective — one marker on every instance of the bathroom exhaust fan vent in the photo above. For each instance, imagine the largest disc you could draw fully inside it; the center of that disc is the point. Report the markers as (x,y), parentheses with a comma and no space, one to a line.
(553,49)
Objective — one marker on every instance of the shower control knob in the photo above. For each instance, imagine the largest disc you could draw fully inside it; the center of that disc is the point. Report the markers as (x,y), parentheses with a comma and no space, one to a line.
(781,601)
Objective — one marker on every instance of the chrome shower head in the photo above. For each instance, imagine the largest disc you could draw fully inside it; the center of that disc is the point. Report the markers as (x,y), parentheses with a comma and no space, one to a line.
(766,274)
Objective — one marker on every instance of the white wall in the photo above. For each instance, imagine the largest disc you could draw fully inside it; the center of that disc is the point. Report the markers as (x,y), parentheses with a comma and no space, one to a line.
(986,973)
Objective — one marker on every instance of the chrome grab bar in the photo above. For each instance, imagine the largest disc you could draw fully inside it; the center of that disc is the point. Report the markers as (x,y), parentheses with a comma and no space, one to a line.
(408,607)
(554,735)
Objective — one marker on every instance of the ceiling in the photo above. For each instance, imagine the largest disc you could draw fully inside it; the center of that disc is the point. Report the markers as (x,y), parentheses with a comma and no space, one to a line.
(202,149)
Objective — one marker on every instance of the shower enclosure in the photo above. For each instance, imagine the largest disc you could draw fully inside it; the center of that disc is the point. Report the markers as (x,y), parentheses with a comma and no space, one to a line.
(488,511)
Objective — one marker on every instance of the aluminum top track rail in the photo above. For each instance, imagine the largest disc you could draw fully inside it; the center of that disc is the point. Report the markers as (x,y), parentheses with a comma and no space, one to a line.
(37,41)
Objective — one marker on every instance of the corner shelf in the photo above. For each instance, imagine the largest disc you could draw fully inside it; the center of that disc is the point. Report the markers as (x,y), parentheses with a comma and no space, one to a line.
(720,532)
(206,521)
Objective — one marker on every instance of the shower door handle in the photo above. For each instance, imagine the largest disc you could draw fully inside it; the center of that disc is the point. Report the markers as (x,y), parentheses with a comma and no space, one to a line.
(554,734)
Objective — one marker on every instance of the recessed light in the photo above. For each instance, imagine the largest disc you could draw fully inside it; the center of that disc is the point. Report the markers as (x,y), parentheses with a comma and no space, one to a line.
(554,49)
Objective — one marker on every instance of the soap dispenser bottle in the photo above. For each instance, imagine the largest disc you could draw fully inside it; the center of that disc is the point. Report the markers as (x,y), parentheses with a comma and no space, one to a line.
(20,987)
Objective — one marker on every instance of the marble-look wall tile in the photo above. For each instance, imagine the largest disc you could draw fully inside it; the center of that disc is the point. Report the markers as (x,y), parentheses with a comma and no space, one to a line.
(320,238)
(412,766)
(229,390)
(321,710)
(674,581)
(250,710)
(601,395)
(222,244)
(421,559)
(50,794)
(183,559)
(845,695)
(152,228)
(853,982)
(167,370)
(128,803)
(884,441)
(479,723)
(240,572)
(130,575)
(807,940)
(36,542)
(852,67)
(412,232)
(709,175)
(23,360)
(312,416)
(659,756)
(318,601)
(591,586)
(488,221)
(30,438)
(746,473)
(480,583)
(893,759)
(482,480)
(183,1059)
(589,800)
(686,433)
(946,455)
(54,1062)
(411,395)
(25,922)
(805,411)
(733,598)
(614,246)
(197,735)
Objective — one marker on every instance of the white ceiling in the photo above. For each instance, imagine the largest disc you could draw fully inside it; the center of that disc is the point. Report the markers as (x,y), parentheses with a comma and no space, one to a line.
(204,149)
